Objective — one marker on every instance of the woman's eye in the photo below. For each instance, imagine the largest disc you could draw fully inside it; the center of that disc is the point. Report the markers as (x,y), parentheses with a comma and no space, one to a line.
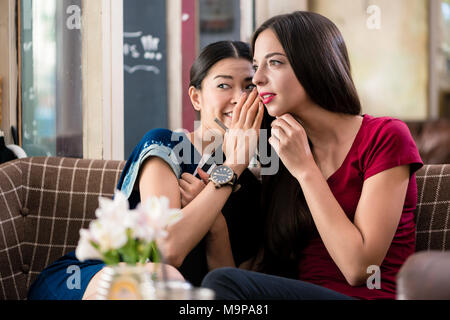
(255,67)
(250,87)
(223,86)
(274,62)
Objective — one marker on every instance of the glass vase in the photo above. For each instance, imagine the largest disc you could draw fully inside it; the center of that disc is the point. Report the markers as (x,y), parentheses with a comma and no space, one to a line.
(125,282)
(180,290)
(138,282)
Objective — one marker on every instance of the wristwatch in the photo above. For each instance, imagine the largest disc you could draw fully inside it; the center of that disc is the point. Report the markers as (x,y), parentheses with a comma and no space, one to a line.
(223,176)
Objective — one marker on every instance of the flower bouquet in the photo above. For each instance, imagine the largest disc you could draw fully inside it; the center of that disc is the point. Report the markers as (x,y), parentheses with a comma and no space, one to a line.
(125,240)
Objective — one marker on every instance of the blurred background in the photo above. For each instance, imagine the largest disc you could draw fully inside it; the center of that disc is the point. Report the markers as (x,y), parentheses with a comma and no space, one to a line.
(87,79)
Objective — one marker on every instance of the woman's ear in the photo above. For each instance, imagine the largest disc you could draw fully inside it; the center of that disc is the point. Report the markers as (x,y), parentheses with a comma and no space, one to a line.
(194,94)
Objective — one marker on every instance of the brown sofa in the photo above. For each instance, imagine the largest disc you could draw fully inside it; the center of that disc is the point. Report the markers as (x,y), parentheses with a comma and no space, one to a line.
(44,201)
(432,138)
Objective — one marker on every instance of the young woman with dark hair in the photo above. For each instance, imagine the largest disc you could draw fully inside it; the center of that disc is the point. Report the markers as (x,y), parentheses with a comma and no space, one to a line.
(217,227)
(342,203)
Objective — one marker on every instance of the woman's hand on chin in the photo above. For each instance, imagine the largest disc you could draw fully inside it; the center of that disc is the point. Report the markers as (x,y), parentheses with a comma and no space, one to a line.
(290,142)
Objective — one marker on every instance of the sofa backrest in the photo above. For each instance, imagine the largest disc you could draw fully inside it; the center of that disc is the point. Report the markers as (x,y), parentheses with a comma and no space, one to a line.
(44,202)
(432,138)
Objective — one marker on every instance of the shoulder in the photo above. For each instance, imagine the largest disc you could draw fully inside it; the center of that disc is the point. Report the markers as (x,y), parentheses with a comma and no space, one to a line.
(387,142)
(158,143)
(379,130)
(159,136)
(385,125)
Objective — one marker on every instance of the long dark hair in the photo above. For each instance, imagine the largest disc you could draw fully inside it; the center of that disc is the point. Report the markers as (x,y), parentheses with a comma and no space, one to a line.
(317,53)
(212,54)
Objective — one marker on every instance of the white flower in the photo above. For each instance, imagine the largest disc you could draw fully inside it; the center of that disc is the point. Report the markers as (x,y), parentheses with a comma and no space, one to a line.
(85,250)
(108,231)
(143,231)
(154,213)
(113,209)
(109,235)
(115,223)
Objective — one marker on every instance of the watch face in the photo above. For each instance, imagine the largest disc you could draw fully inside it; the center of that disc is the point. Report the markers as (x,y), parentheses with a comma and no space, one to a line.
(222,174)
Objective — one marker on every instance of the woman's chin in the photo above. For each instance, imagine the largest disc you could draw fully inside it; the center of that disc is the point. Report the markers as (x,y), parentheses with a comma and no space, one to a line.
(273,111)
(227,121)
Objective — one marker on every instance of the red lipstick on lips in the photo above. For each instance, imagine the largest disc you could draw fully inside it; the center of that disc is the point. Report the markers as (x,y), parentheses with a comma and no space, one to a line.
(267,97)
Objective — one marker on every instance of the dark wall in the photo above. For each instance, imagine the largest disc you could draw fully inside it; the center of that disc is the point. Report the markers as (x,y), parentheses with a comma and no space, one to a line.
(145,74)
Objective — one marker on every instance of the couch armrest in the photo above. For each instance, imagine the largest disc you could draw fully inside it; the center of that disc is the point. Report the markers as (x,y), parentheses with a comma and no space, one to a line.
(12,231)
(425,276)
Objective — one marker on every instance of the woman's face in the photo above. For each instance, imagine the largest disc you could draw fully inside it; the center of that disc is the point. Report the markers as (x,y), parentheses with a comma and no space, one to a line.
(220,91)
(274,77)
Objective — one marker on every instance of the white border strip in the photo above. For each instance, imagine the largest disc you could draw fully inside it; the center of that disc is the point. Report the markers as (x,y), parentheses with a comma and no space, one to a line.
(117,85)
(107,81)
(113,85)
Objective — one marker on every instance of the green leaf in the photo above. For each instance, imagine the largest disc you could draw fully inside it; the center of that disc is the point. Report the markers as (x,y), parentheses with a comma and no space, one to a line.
(145,251)
(129,250)
(111,257)
(154,253)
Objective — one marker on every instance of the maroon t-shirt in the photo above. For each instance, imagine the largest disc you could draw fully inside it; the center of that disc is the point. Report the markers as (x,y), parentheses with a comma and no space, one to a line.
(380,144)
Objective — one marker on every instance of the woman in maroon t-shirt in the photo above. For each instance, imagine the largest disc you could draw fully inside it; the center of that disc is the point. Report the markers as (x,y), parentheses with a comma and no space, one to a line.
(340,210)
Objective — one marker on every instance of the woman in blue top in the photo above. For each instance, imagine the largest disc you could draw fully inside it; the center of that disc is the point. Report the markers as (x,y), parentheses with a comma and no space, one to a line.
(218,228)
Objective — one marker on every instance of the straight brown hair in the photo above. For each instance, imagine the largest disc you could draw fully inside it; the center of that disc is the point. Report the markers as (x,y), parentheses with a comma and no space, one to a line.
(317,53)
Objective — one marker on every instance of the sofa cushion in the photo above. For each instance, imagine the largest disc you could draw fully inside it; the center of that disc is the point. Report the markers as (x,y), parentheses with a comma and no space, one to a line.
(433,208)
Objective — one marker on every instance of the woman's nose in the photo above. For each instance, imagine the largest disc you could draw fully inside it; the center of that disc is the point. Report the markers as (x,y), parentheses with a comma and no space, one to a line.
(237,95)
(259,77)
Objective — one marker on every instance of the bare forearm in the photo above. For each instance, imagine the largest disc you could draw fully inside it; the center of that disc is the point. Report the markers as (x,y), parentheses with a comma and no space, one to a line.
(218,247)
(197,218)
(341,237)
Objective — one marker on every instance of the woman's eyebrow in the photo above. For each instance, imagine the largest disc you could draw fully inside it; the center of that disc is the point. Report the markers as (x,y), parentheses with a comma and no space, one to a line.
(223,76)
(269,55)
(230,77)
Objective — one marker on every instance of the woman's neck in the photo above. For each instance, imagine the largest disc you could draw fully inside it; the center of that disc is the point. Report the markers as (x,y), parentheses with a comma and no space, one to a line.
(325,128)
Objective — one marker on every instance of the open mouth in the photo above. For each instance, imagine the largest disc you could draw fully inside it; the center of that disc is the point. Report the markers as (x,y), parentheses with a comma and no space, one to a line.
(229,115)
(267,97)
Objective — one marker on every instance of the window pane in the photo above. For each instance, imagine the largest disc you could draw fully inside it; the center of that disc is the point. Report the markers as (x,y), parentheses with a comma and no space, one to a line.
(443,63)
(219,20)
(445,9)
(51,77)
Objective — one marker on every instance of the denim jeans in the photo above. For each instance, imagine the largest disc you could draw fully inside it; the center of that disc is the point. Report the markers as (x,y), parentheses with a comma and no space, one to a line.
(238,284)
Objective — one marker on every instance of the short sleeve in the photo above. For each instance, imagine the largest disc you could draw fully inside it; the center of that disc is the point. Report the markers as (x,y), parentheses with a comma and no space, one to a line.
(156,143)
(392,146)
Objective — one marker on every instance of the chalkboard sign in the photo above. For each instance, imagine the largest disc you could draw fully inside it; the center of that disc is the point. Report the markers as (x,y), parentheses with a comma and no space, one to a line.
(145,74)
